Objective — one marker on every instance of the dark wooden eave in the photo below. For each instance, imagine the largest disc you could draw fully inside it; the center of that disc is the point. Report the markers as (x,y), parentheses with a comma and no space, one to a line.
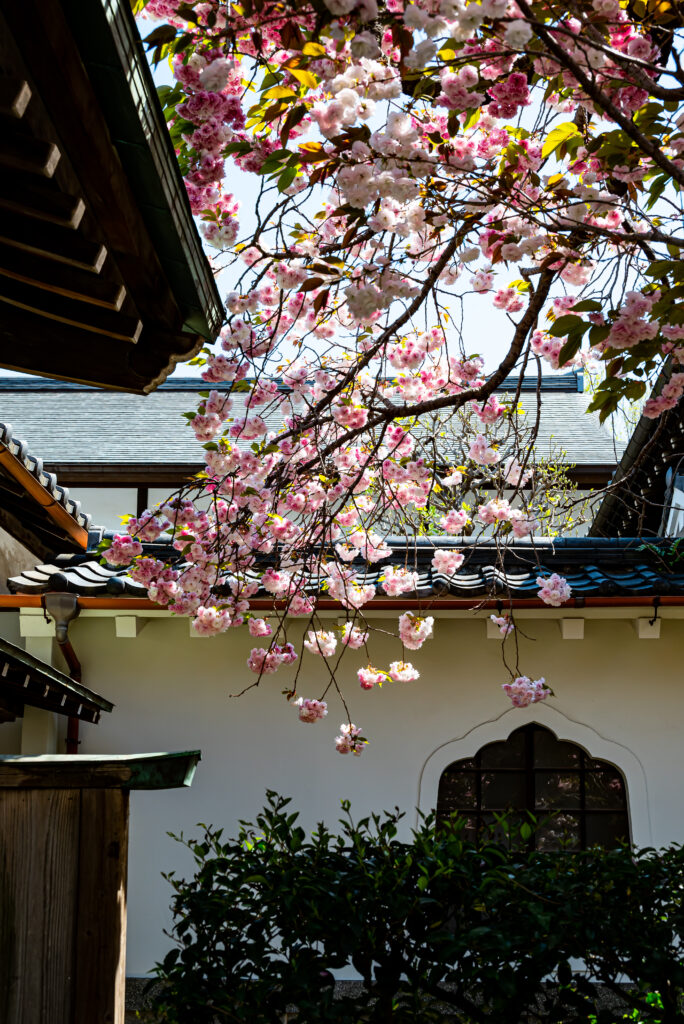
(637,502)
(102,275)
(27,680)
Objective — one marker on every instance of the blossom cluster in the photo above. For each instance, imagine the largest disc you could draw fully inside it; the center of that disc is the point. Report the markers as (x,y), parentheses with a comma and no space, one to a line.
(321,423)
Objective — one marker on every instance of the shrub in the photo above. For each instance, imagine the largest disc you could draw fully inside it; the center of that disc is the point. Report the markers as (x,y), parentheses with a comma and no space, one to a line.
(436,928)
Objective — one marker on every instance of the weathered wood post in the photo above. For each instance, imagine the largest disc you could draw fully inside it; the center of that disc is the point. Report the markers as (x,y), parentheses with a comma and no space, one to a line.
(63,857)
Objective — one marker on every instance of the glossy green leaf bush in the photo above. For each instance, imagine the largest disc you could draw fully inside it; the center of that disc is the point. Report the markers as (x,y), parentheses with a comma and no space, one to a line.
(436,928)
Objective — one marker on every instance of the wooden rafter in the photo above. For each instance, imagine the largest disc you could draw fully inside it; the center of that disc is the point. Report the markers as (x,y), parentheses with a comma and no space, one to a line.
(86,292)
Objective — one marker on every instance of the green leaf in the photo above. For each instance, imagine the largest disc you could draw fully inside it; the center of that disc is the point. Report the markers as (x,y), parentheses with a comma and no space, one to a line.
(565,324)
(286,178)
(558,136)
(587,306)
(598,333)
(569,349)
(660,268)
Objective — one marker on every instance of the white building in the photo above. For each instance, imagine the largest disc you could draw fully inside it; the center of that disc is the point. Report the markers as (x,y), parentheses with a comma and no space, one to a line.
(612,655)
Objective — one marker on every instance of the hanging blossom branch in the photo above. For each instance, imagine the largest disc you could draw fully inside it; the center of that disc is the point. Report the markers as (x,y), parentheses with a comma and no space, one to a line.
(412,158)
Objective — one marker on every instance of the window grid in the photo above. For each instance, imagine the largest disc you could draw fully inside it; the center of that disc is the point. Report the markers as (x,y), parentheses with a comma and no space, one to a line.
(530,763)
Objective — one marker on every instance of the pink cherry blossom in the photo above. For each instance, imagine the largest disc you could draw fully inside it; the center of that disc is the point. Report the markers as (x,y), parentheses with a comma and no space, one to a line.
(447,561)
(524,691)
(403,672)
(368,677)
(123,550)
(341,387)
(311,710)
(414,630)
(481,453)
(321,642)
(398,581)
(503,624)
(353,636)
(555,590)
(350,740)
(454,521)
(259,627)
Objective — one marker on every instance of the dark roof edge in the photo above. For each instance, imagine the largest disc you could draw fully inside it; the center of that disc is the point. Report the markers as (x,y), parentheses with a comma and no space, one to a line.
(53,675)
(572,382)
(112,53)
(34,465)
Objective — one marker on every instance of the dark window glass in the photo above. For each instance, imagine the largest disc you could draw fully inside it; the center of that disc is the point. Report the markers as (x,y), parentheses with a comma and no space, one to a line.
(508,754)
(579,800)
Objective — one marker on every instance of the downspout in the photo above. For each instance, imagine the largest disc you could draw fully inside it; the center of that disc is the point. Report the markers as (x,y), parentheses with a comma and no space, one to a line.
(63,609)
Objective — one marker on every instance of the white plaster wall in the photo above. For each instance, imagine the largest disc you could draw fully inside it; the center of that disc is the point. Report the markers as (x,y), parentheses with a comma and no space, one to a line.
(14,559)
(618,696)
(106,505)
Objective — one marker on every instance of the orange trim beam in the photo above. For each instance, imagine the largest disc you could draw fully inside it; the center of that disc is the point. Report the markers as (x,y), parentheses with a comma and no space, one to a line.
(12,601)
(42,496)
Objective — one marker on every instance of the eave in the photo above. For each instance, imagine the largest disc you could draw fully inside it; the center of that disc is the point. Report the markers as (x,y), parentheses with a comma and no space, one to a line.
(102,276)
(25,680)
(34,509)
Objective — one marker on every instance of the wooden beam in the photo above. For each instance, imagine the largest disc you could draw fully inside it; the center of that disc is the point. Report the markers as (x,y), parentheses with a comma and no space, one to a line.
(34,197)
(39,846)
(14,97)
(22,152)
(51,241)
(71,282)
(33,344)
(51,55)
(70,311)
(10,707)
(99,771)
(100,963)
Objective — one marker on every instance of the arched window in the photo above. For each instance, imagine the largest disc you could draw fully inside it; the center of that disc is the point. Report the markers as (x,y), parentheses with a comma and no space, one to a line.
(581,800)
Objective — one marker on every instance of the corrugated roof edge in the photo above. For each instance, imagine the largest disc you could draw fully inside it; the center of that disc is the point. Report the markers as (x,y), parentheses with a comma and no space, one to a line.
(34,466)
(572,382)
(593,567)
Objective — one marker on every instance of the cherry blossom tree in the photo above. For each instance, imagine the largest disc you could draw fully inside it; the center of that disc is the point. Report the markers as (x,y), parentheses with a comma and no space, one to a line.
(412,160)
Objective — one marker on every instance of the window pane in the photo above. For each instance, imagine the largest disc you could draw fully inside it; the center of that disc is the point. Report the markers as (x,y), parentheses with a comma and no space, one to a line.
(503,789)
(557,789)
(456,790)
(562,831)
(606,829)
(580,800)
(507,832)
(466,825)
(509,754)
(605,789)
(552,753)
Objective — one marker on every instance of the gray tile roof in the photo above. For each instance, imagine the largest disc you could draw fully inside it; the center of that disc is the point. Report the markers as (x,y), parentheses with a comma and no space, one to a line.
(77,425)
(593,568)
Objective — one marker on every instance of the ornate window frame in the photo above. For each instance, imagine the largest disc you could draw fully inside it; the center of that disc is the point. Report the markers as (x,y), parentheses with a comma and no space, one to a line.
(565,728)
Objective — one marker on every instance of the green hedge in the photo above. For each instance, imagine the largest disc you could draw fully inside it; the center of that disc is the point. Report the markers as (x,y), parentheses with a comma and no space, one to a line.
(438,928)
